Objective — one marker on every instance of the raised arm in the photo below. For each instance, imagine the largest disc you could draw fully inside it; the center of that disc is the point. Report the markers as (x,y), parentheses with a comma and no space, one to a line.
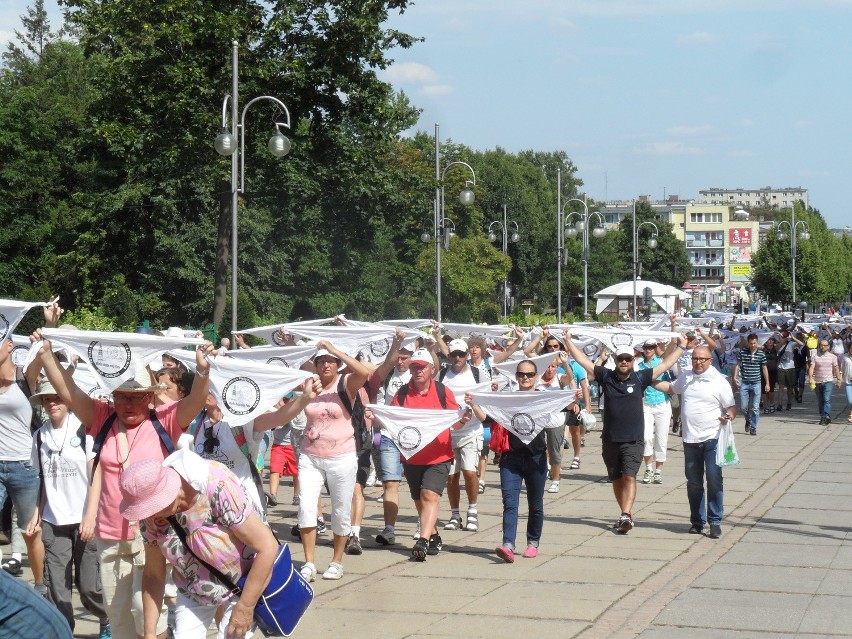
(670,356)
(578,355)
(358,372)
(191,405)
(512,347)
(76,399)
(388,364)
(532,350)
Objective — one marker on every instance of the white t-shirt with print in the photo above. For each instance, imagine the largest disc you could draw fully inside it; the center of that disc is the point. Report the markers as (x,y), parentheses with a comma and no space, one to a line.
(465,379)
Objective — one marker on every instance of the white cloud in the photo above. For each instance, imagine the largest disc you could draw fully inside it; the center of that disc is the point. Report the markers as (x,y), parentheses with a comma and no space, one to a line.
(436,89)
(666,148)
(699,38)
(410,73)
(689,130)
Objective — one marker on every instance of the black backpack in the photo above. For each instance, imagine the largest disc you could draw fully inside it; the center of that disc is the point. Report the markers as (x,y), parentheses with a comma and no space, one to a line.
(362,433)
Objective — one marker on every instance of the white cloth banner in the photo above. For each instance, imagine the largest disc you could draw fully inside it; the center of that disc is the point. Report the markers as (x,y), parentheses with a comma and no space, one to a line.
(286,356)
(373,341)
(87,381)
(614,339)
(116,357)
(412,429)
(20,349)
(11,314)
(464,331)
(245,390)
(268,333)
(523,413)
(510,366)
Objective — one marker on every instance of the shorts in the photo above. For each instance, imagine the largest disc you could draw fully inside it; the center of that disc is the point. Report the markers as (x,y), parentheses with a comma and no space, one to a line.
(622,458)
(390,461)
(363,467)
(555,437)
(486,438)
(773,378)
(282,460)
(466,455)
(432,477)
(787,377)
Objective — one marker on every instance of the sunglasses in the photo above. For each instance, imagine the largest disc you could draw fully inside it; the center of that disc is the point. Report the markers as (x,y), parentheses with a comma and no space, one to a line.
(525,374)
(211,442)
(552,346)
(649,348)
(458,354)
(624,358)
(700,359)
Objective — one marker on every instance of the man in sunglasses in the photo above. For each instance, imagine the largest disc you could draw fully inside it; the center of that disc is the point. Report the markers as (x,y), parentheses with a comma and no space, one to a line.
(708,404)
(623,432)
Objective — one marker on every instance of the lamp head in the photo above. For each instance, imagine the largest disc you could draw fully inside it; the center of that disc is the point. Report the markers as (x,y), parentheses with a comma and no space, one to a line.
(652,243)
(425,237)
(492,237)
(804,235)
(599,231)
(515,237)
(466,196)
(571,232)
(279,145)
(225,143)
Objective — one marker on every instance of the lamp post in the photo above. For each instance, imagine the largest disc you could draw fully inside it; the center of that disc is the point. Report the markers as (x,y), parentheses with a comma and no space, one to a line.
(514,237)
(805,234)
(652,244)
(581,226)
(442,227)
(233,143)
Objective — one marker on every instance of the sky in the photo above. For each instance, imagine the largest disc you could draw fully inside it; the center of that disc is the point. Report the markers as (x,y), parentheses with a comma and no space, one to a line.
(647,97)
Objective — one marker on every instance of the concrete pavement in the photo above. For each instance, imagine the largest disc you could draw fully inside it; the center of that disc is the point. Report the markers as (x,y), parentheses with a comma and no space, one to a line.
(783,566)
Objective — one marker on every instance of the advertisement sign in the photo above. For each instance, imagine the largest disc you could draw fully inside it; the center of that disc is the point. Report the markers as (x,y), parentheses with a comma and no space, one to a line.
(739,236)
(740,254)
(740,272)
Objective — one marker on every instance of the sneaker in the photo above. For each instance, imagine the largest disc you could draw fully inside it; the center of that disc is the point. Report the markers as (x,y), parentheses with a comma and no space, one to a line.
(381,498)
(658,478)
(481,487)
(334,571)
(386,537)
(435,545)
(554,487)
(321,527)
(295,501)
(752,431)
(695,529)
(582,442)
(575,464)
(505,553)
(416,534)
(779,408)
(624,524)
(531,552)
(308,572)
(715,531)
(295,532)
(12,566)
(41,589)
(472,524)
(454,524)
(270,499)
(353,545)
(421,547)
(827,420)
(565,444)
(371,479)
(747,426)
(789,406)
(106,632)
(648,476)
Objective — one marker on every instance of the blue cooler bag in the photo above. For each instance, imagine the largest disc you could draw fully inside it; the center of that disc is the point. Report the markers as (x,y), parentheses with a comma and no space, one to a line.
(284,600)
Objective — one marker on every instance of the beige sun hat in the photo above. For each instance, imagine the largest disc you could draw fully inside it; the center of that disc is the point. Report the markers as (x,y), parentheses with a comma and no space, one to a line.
(140,383)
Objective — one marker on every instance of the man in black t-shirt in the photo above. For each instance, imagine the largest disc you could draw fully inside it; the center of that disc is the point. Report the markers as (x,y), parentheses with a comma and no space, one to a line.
(623,421)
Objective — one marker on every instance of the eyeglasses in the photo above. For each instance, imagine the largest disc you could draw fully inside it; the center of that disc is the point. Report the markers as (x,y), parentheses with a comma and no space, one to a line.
(553,346)
(700,360)
(211,442)
(458,354)
(525,374)
(624,358)
(649,348)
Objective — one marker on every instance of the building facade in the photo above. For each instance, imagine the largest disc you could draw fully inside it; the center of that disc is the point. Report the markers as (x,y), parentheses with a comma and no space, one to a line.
(767,197)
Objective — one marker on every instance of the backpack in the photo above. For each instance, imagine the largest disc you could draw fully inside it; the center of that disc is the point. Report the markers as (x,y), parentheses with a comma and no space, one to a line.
(165,440)
(473,369)
(360,431)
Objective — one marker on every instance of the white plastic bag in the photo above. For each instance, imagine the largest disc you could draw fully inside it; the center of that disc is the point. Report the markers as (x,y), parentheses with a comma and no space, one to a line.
(726,449)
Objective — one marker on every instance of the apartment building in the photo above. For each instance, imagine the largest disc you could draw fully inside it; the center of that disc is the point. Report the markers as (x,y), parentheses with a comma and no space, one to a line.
(767,197)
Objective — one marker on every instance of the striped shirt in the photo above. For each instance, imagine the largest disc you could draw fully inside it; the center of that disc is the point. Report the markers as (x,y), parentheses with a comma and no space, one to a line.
(824,364)
(750,365)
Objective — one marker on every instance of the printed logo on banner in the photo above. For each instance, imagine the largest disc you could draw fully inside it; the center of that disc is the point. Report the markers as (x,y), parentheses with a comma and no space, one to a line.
(110,360)
(380,347)
(278,361)
(591,350)
(95,392)
(241,395)
(277,341)
(523,424)
(409,438)
(4,326)
(19,354)
(622,339)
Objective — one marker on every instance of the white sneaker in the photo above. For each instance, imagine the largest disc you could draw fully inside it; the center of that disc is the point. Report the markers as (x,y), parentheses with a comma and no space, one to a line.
(308,572)
(554,487)
(334,571)
(371,479)
(416,534)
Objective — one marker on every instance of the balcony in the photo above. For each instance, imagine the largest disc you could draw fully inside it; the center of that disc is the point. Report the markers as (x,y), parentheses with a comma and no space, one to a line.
(715,243)
(696,243)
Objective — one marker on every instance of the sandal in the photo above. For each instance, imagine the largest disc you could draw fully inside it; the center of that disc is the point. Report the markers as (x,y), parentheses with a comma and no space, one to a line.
(575,464)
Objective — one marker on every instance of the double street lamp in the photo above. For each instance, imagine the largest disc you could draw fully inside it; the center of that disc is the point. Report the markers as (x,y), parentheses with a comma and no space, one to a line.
(507,237)
(804,234)
(652,244)
(233,143)
(442,227)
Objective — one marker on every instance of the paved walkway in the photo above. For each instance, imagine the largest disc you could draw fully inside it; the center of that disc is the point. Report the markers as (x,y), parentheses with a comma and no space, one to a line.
(783,566)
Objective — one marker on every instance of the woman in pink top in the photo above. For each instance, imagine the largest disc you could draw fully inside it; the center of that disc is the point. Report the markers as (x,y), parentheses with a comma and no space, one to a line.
(327,455)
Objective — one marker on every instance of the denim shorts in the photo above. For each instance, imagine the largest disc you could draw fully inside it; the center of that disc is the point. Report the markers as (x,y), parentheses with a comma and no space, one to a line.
(390,461)
(19,480)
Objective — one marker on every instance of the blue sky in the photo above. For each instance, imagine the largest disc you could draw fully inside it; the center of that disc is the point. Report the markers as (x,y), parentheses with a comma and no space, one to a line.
(646,96)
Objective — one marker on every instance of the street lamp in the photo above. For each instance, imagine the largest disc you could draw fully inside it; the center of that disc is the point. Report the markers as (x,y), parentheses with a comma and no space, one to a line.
(652,244)
(227,143)
(581,226)
(507,237)
(804,234)
(443,228)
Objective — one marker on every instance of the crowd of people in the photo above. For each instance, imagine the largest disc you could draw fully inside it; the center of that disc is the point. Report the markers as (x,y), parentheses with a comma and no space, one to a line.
(128,495)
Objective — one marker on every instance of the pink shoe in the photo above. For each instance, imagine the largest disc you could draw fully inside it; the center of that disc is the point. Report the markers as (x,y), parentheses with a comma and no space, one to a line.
(506,554)
(531,552)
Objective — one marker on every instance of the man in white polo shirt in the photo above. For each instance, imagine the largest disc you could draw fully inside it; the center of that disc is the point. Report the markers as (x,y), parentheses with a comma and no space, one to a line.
(707,403)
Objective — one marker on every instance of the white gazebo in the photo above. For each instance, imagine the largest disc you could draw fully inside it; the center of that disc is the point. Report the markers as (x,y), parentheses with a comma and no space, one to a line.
(618,298)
